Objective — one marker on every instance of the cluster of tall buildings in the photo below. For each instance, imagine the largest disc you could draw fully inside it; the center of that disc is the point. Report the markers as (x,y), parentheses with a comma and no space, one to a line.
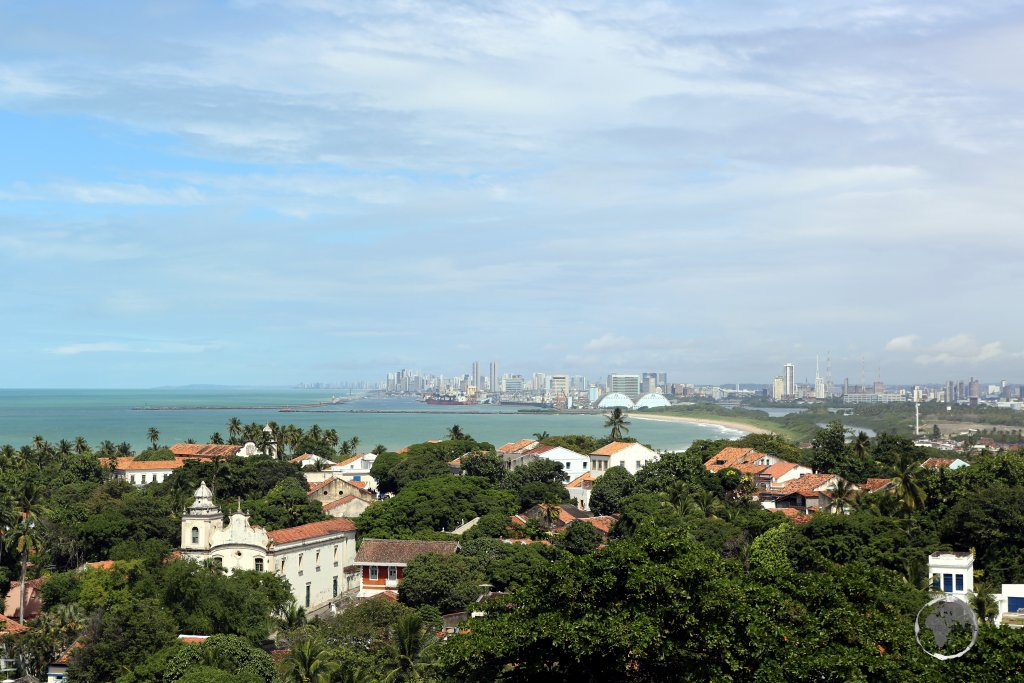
(556,388)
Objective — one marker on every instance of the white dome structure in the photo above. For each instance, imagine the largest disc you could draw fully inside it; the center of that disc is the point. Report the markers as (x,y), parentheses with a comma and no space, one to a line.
(616,400)
(652,401)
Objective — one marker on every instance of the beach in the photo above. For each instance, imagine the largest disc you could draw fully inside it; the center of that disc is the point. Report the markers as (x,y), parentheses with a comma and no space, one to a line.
(727,424)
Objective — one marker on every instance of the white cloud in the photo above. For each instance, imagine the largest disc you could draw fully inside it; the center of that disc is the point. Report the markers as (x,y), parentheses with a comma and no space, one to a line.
(904,343)
(962,349)
(134,347)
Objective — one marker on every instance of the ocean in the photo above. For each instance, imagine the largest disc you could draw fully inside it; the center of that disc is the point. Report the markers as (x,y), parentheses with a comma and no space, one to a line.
(126,414)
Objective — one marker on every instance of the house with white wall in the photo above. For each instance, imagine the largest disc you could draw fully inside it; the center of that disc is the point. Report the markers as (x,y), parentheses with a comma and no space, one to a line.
(317,559)
(627,454)
(141,472)
(382,562)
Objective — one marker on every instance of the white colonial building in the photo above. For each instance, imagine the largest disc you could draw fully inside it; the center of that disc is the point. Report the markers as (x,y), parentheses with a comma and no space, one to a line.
(317,559)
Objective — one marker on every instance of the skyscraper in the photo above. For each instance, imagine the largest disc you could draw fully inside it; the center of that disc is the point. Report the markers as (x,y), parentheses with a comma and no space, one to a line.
(624,384)
(789,373)
(494,377)
(476,374)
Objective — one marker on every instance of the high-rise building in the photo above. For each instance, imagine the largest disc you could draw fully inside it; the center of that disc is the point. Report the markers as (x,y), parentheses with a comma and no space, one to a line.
(476,374)
(819,382)
(559,385)
(493,386)
(624,384)
(789,375)
(778,388)
(540,381)
(513,383)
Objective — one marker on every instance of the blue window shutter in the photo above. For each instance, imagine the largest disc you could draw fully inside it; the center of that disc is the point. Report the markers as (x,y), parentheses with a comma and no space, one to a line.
(959,582)
(947,583)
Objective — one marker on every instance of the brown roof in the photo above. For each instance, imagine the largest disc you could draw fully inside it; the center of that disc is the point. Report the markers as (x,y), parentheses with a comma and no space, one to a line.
(937,463)
(300,458)
(313,530)
(613,448)
(341,501)
(578,481)
(320,484)
(807,484)
(794,514)
(780,468)
(876,484)
(8,625)
(346,461)
(732,456)
(133,464)
(373,550)
(205,450)
(102,564)
(516,446)
(602,523)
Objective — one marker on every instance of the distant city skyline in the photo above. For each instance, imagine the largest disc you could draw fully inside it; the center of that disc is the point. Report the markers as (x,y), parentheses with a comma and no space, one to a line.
(275,192)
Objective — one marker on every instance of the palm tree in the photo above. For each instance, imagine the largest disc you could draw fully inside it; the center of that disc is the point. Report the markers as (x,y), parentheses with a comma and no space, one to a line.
(107,448)
(413,650)
(908,485)
(153,434)
(379,448)
(678,495)
(123,449)
(983,604)
(455,433)
(292,616)
(23,539)
(861,446)
(540,436)
(81,445)
(216,438)
(310,662)
(8,518)
(841,493)
(707,503)
(234,429)
(618,423)
(64,447)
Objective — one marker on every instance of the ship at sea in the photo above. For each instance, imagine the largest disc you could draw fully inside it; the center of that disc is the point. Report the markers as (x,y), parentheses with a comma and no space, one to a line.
(446,400)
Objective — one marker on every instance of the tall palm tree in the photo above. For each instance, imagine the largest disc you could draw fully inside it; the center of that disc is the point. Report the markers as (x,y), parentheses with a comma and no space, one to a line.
(216,438)
(123,449)
(81,445)
(707,503)
(153,434)
(455,433)
(64,447)
(291,616)
(8,518)
(862,446)
(379,448)
(617,422)
(540,436)
(841,493)
(678,495)
(310,662)
(107,448)
(908,483)
(234,429)
(413,649)
(23,539)
(984,606)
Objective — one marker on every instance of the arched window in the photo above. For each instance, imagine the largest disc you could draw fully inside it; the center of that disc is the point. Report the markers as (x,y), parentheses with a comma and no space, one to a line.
(195,534)
(259,564)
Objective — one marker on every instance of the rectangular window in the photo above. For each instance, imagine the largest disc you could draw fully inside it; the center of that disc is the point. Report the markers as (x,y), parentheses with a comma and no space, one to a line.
(959,582)
(638,464)
(133,478)
(584,465)
(373,573)
(307,595)
(335,587)
(935,582)
(392,573)
(947,583)
(143,478)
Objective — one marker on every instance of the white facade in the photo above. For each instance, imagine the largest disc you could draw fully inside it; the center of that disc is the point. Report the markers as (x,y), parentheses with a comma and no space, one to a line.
(952,573)
(356,468)
(312,557)
(575,464)
(142,473)
(632,456)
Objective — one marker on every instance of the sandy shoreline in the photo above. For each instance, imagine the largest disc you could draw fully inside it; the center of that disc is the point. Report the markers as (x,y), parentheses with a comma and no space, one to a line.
(729,424)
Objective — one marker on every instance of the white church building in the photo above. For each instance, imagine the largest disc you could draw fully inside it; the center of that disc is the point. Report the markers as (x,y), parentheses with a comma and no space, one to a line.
(317,559)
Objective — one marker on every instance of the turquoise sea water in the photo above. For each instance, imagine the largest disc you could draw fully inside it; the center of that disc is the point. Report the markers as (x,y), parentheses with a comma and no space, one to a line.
(99,414)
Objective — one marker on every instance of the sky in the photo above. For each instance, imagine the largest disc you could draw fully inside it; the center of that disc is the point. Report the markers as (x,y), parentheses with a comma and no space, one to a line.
(269,192)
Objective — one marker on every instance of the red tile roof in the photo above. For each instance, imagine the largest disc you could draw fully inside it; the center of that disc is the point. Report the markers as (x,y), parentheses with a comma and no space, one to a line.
(578,481)
(102,564)
(313,530)
(205,450)
(350,460)
(8,626)
(794,514)
(517,446)
(341,501)
(807,484)
(358,484)
(129,463)
(613,448)
(779,469)
(390,551)
(186,638)
(541,448)
(731,456)
(876,484)
(937,463)
(320,484)
(602,523)
(300,458)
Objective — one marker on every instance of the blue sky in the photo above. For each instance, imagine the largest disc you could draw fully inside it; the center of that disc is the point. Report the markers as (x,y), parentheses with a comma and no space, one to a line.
(262,192)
